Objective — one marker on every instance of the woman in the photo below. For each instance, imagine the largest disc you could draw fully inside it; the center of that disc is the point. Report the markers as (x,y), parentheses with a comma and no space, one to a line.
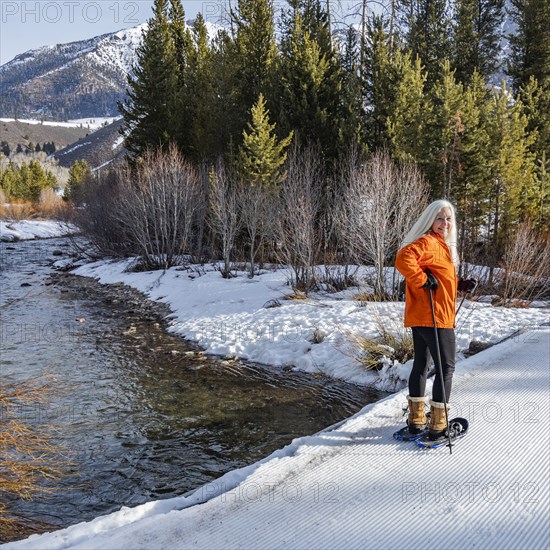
(428,260)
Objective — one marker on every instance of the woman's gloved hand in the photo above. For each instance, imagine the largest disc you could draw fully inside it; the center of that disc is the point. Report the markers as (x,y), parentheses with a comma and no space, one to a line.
(432,282)
(467,285)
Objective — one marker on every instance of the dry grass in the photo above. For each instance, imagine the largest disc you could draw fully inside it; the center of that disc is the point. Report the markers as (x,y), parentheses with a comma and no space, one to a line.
(387,346)
(17,211)
(49,206)
(296,295)
(364,297)
(29,461)
(318,336)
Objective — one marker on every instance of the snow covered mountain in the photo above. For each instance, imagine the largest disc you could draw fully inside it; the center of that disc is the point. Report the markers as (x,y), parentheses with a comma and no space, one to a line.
(83,79)
(75,80)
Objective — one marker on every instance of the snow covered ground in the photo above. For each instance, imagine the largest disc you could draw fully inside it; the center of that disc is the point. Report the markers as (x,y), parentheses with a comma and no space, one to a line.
(251,319)
(91,123)
(352,485)
(356,487)
(34,229)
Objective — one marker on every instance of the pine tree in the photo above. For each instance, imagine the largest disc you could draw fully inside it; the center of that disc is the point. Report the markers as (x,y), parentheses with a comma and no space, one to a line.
(542,170)
(530,45)
(380,79)
(444,133)
(427,30)
(471,188)
(310,90)
(353,112)
(255,54)
(225,112)
(180,36)
(476,37)
(536,102)
(411,113)
(26,181)
(181,40)
(203,109)
(151,115)
(536,107)
(512,167)
(79,174)
(261,154)
(8,181)
(315,21)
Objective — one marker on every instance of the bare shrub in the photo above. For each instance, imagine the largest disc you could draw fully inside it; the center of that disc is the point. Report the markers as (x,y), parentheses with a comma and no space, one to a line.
(224,216)
(17,211)
(50,204)
(379,205)
(256,205)
(156,207)
(99,217)
(525,266)
(297,231)
(338,254)
(335,278)
(199,250)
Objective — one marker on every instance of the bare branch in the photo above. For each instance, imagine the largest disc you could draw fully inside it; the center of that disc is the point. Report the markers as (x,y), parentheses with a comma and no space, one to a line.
(297,217)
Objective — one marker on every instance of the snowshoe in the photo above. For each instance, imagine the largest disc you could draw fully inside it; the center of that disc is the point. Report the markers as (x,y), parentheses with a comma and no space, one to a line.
(458,427)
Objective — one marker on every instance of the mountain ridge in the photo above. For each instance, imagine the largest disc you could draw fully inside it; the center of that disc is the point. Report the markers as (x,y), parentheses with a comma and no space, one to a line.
(79,79)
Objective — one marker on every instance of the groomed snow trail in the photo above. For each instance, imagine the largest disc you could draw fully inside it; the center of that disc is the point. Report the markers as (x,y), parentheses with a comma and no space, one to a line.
(355,487)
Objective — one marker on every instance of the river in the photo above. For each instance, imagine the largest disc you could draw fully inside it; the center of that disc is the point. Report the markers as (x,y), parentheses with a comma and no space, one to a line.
(140,414)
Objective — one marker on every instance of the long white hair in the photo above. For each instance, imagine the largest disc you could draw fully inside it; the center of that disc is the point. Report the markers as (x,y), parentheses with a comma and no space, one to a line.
(425,222)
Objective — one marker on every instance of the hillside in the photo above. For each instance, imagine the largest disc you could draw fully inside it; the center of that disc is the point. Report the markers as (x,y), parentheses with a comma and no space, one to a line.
(75,80)
(17,132)
(98,149)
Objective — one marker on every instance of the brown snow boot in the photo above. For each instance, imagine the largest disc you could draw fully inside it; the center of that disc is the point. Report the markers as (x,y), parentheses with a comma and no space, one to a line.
(438,422)
(417,415)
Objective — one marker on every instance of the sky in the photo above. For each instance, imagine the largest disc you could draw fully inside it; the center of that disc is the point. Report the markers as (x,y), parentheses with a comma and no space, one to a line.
(29,24)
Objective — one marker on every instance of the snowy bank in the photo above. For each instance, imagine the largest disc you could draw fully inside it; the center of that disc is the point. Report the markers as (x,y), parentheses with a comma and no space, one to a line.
(253,320)
(34,229)
(356,487)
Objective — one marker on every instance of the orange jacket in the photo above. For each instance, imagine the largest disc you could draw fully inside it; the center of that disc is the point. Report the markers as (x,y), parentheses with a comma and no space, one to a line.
(428,252)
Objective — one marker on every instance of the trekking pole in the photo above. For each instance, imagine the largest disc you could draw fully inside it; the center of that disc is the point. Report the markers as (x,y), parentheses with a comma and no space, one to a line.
(441,373)
(463,297)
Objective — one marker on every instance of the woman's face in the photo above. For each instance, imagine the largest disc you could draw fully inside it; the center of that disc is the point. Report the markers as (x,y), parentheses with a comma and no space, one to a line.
(443,222)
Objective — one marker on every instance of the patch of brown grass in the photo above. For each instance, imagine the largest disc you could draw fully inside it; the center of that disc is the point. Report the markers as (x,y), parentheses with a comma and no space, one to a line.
(17,211)
(296,295)
(373,353)
(29,460)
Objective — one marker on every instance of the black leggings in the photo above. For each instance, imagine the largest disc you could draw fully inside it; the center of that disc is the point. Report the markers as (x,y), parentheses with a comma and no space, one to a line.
(424,346)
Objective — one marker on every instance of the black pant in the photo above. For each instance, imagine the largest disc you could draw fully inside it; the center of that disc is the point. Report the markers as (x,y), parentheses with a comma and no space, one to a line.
(424,346)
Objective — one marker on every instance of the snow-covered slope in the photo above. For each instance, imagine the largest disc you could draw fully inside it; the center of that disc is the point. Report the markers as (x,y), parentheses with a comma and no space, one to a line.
(76,80)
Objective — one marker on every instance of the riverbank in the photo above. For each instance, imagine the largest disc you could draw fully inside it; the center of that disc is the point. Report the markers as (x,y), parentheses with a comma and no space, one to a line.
(141,413)
(11,231)
(257,319)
